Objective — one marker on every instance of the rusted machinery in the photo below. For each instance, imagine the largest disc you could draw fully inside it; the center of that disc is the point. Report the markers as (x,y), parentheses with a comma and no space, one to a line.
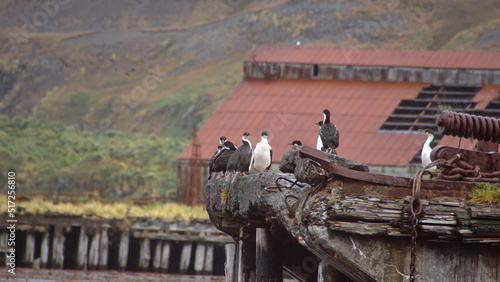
(467,165)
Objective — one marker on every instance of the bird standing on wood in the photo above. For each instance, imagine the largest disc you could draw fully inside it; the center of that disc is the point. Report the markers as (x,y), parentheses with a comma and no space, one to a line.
(319,143)
(263,154)
(241,159)
(289,160)
(222,139)
(220,162)
(329,133)
(426,148)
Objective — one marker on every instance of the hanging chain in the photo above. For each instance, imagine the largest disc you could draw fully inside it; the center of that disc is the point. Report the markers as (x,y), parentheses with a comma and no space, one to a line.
(415,214)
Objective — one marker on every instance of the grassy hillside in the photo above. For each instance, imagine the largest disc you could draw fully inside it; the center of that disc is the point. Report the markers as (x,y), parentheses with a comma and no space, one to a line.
(159,68)
(49,157)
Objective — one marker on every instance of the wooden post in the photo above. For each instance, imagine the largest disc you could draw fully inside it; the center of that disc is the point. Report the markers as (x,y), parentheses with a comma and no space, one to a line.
(123,249)
(247,255)
(185,258)
(94,251)
(145,254)
(165,257)
(104,247)
(231,265)
(327,273)
(44,249)
(199,258)
(83,245)
(208,267)
(269,260)
(157,255)
(29,252)
(58,247)
(3,244)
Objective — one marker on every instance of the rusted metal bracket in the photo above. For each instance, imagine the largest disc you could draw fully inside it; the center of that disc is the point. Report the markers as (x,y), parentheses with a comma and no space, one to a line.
(278,186)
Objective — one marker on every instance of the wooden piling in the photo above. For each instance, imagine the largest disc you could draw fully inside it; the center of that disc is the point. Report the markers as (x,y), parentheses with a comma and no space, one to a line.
(328,273)
(58,247)
(44,249)
(144,254)
(165,257)
(3,245)
(269,261)
(103,248)
(208,266)
(199,258)
(83,245)
(29,252)
(246,269)
(157,255)
(94,251)
(231,265)
(123,249)
(185,258)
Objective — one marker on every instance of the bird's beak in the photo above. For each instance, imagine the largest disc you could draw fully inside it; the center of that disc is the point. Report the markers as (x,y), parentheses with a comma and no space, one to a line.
(421,130)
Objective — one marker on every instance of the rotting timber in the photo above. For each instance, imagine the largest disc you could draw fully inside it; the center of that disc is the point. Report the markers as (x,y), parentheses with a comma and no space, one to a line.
(333,221)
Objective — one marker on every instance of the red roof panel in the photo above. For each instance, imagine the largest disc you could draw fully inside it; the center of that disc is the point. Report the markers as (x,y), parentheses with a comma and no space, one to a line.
(291,118)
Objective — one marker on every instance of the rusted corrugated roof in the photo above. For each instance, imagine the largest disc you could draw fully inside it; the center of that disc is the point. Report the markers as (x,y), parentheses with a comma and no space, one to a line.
(370,57)
(288,109)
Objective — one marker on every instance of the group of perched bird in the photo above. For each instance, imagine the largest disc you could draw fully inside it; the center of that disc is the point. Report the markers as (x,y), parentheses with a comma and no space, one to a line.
(228,159)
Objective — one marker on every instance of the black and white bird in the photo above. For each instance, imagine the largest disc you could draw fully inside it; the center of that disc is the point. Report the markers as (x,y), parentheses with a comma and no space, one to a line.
(222,139)
(290,158)
(426,148)
(329,133)
(220,162)
(241,159)
(319,143)
(262,154)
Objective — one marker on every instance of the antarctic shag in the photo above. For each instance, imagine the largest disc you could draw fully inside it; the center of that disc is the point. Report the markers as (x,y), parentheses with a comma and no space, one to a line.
(220,162)
(329,133)
(289,160)
(263,154)
(222,139)
(241,159)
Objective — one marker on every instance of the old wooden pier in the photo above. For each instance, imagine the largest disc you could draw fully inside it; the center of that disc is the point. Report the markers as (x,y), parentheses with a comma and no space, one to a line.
(87,242)
(329,223)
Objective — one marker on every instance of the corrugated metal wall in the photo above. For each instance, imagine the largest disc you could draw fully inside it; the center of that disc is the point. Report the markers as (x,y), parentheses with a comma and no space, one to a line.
(267,70)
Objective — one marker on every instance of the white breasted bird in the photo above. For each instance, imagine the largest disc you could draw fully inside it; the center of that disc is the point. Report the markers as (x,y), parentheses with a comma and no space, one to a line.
(329,133)
(263,154)
(241,159)
(319,143)
(426,148)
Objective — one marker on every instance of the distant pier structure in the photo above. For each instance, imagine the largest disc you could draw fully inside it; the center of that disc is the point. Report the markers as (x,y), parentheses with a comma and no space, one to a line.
(91,243)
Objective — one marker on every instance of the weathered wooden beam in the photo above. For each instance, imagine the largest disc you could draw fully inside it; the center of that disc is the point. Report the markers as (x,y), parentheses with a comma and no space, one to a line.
(29,251)
(199,258)
(247,256)
(144,254)
(44,249)
(94,251)
(158,247)
(104,247)
(185,257)
(58,247)
(231,265)
(209,260)
(123,249)
(83,244)
(269,259)
(165,257)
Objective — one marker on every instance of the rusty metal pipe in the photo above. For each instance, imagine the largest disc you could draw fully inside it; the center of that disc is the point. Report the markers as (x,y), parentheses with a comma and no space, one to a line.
(466,125)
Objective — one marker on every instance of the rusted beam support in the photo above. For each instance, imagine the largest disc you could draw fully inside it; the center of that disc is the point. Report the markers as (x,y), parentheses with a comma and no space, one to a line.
(269,257)
(247,255)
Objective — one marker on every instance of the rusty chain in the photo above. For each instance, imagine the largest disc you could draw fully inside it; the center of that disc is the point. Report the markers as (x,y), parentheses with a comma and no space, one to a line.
(456,168)
(416,213)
